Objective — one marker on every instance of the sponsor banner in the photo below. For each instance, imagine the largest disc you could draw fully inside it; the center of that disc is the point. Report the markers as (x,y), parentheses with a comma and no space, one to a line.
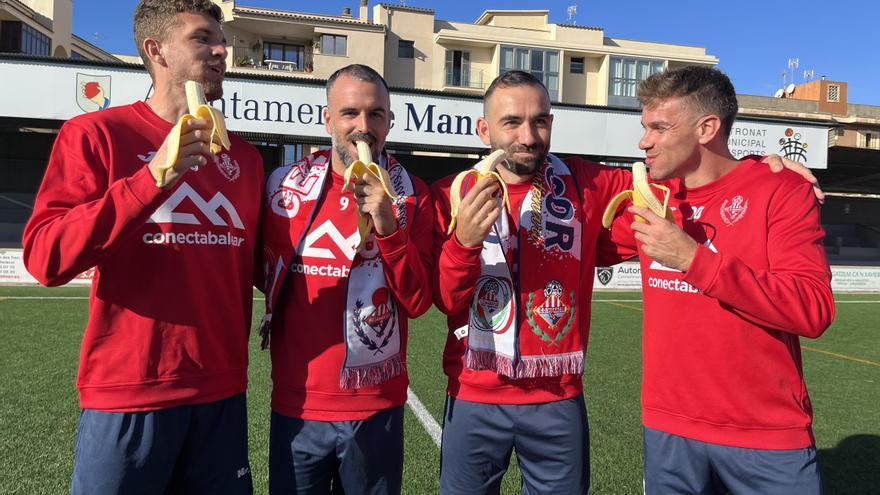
(12,270)
(855,278)
(49,90)
(627,276)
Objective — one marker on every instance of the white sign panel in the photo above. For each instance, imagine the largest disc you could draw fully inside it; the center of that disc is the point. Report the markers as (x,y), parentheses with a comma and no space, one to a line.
(59,91)
(627,276)
(12,270)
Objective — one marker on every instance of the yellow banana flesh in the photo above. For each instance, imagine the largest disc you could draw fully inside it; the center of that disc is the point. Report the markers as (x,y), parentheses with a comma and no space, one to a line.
(640,195)
(362,166)
(483,169)
(198,109)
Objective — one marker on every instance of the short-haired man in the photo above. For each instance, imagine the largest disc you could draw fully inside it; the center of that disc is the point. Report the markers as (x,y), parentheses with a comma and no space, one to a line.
(163,366)
(338,305)
(729,287)
(515,285)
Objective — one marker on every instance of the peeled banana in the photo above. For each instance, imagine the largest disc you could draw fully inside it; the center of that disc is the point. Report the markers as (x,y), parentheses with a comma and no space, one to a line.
(198,109)
(641,195)
(365,165)
(483,169)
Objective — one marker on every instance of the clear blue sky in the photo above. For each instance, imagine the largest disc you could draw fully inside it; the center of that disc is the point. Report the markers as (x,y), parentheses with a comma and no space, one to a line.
(753,39)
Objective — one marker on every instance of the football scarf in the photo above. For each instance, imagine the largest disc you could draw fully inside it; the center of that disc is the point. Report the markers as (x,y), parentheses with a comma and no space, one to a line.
(371,326)
(525,323)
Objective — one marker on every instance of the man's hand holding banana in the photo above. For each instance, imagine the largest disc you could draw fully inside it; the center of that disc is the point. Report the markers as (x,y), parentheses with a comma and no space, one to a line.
(662,240)
(372,191)
(191,148)
(477,212)
(196,137)
(372,200)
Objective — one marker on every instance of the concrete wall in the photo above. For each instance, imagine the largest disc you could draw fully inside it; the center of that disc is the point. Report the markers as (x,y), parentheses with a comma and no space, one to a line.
(364,47)
(574,86)
(526,20)
(416,26)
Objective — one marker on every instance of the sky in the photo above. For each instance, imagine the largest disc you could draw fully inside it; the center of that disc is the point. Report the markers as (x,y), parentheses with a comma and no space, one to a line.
(753,39)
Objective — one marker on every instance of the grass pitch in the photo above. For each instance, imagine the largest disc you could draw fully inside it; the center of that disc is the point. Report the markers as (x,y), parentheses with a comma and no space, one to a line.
(42,329)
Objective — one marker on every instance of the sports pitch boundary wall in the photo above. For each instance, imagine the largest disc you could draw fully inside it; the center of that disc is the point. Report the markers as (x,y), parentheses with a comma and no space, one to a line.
(626,276)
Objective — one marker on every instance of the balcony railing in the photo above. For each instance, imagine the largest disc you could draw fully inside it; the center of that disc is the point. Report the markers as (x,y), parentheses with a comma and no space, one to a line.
(458,78)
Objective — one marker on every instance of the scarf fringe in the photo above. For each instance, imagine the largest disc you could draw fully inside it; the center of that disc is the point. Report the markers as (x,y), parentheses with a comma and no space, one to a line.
(369,375)
(487,360)
(571,363)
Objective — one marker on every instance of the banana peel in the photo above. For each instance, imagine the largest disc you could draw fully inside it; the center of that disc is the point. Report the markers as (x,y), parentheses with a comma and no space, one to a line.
(198,108)
(360,167)
(640,195)
(483,169)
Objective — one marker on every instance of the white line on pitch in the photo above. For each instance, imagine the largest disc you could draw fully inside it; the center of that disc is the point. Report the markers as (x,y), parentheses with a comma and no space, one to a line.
(17,202)
(424,417)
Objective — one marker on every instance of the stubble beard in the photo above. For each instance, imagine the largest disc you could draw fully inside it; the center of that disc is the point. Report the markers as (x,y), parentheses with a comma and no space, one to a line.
(520,168)
(340,146)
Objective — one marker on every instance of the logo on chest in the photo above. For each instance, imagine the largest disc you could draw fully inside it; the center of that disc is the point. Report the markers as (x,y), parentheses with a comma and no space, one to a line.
(227,166)
(733,210)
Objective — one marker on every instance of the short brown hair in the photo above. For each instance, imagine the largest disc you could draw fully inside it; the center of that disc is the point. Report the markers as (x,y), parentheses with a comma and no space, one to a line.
(359,72)
(708,90)
(154,18)
(511,79)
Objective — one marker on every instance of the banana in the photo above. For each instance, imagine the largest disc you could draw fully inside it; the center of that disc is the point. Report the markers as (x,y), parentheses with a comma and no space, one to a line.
(641,195)
(365,165)
(483,169)
(198,109)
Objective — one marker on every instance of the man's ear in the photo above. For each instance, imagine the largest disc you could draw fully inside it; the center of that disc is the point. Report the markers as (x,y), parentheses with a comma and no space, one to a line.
(483,131)
(326,114)
(153,50)
(708,127)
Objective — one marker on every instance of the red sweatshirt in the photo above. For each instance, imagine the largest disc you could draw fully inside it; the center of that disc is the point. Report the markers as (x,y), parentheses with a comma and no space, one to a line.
(170,305)
(459,267)
(722,360)
(307,347)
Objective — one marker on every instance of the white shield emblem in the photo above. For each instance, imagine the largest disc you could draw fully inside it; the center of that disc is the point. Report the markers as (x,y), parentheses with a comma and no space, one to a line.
(92,92)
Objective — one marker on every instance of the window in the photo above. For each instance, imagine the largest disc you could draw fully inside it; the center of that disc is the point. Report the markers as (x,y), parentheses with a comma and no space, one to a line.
(75,55)
(406,49)
(281,52)
(458,70)
(18,37)
(332,44)
(576,66)
(626,74)
(871,140)
(543,64)
(834,93)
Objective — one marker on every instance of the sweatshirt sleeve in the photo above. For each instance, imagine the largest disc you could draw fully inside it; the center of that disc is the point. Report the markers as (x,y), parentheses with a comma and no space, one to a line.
(616,244)
(407,252)
(794,294)
(458,267)
(79,215)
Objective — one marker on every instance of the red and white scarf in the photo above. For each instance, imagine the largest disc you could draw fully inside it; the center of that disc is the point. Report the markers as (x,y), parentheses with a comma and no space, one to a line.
(527,325)
(371,329)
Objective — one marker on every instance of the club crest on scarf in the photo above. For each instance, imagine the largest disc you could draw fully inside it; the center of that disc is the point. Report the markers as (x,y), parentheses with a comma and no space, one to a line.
(373,328)
(551,313)
(491,308)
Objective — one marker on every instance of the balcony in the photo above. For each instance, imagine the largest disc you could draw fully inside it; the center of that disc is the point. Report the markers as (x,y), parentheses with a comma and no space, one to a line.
(466,79)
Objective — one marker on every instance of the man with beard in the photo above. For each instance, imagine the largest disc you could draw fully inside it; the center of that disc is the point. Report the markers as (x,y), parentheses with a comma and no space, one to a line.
(163,366)
(339,383)
(516,290)
(516,284)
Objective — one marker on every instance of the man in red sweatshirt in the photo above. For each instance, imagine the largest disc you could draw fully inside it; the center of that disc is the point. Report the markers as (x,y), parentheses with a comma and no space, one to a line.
(338,304)
(729,287)
(515,283)
(163,365)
